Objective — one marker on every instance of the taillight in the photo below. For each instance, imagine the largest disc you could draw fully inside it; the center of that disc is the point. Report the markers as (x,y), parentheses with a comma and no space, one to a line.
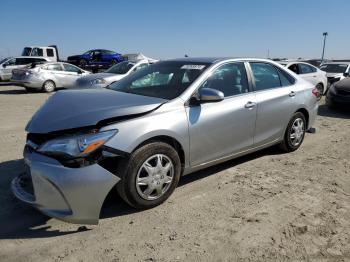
(316,92)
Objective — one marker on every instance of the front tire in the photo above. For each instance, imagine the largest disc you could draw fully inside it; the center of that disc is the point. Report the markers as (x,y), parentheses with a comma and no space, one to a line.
(295,133)
(150,175)
(49,86)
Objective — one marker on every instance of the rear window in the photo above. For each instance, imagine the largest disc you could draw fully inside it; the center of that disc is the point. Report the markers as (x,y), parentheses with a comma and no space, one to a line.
(49,52)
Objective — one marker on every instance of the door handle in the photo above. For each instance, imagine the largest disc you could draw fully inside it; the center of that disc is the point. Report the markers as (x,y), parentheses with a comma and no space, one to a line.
(291,94)
(250,104)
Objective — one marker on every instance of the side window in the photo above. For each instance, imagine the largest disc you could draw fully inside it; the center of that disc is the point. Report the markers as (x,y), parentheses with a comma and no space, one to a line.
(71,68)
(37,52)
(54,67)
(294,68)
(231,79)
(306,69)
(286,79)
(49,52)
(11,62)
(265,75)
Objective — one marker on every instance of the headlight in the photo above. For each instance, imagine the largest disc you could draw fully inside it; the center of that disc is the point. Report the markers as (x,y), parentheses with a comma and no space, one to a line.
(77,146)
(99,81)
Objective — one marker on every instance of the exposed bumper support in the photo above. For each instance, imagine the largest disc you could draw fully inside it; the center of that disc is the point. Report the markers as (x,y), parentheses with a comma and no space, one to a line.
(74,195)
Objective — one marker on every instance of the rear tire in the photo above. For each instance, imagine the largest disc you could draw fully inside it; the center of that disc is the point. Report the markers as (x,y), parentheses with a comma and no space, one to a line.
(295,133)
(49,86)
(149,176)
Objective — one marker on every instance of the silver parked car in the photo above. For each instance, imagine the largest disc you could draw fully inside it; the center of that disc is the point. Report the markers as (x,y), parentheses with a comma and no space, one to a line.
(113,74)
(11,63)
(147,130)
(48,76)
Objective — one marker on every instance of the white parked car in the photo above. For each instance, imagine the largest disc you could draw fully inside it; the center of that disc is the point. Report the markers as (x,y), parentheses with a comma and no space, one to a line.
(309,73)
(10,63)
(336,71)
(113,74)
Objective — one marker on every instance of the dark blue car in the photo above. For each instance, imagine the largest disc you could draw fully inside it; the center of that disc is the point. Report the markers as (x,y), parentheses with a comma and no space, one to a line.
(96,57)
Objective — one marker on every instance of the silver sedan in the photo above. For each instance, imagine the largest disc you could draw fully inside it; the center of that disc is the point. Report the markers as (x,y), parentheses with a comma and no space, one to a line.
(48,76)
(144,132)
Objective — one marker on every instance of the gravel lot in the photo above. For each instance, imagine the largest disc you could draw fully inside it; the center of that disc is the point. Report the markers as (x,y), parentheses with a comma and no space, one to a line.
(266,206)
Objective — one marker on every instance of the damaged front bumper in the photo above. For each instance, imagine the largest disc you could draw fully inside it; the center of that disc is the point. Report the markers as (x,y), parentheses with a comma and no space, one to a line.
(73,195)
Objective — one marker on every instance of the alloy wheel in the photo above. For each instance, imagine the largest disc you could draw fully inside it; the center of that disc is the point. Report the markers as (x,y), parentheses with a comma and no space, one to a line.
(297,132)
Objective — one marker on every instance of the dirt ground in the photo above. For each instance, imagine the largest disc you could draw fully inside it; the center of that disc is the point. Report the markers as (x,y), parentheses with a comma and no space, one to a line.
(265,206)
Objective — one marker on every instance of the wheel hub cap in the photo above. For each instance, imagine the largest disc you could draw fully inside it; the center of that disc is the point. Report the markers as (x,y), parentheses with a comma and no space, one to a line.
(154,177)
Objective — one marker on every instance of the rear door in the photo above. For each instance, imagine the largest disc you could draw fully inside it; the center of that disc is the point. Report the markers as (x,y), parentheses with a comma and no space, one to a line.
(221,129)
(54,72)
(275,96)
(71,74)
(308,73)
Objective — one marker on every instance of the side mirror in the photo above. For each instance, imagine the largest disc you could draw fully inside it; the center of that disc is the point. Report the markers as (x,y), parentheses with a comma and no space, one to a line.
(346,74)
(80,72)
(209,95)
(4,65)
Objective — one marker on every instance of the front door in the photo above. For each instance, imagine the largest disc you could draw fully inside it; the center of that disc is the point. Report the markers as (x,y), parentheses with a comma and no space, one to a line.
(220,129)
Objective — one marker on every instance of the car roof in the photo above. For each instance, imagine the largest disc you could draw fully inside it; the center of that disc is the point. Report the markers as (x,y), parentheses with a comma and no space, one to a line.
(212,60)
(41,57)
(337,63)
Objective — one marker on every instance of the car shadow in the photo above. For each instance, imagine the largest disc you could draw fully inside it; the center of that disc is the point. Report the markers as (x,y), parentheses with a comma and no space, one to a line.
(20,221)
(324,110)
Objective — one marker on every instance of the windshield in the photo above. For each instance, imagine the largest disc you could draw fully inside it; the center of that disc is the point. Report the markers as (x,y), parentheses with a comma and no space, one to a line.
(165,80)
(334,68)
(121,68)
(26,51)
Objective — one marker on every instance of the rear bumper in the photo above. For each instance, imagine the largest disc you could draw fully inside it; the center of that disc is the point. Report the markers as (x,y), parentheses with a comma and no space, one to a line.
(32,83)
(73,195)
(312,115)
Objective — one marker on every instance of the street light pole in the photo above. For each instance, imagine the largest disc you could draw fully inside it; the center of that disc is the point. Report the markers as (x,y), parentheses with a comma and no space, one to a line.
(325,34)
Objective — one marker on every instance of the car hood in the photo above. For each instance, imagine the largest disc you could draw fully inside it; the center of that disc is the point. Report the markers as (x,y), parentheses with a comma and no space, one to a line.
(343,84)
(70,109)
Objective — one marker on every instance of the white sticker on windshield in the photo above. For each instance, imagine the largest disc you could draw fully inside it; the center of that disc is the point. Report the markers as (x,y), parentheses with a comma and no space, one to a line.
(196,67)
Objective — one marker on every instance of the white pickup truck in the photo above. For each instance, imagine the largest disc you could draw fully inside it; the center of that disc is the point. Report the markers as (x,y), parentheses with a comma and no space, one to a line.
(48,52)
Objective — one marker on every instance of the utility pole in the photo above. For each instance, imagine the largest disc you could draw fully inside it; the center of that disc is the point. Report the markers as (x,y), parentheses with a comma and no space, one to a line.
(325,34)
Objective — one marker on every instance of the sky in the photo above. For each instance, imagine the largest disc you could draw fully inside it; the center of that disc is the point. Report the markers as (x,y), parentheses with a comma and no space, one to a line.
(172,28)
